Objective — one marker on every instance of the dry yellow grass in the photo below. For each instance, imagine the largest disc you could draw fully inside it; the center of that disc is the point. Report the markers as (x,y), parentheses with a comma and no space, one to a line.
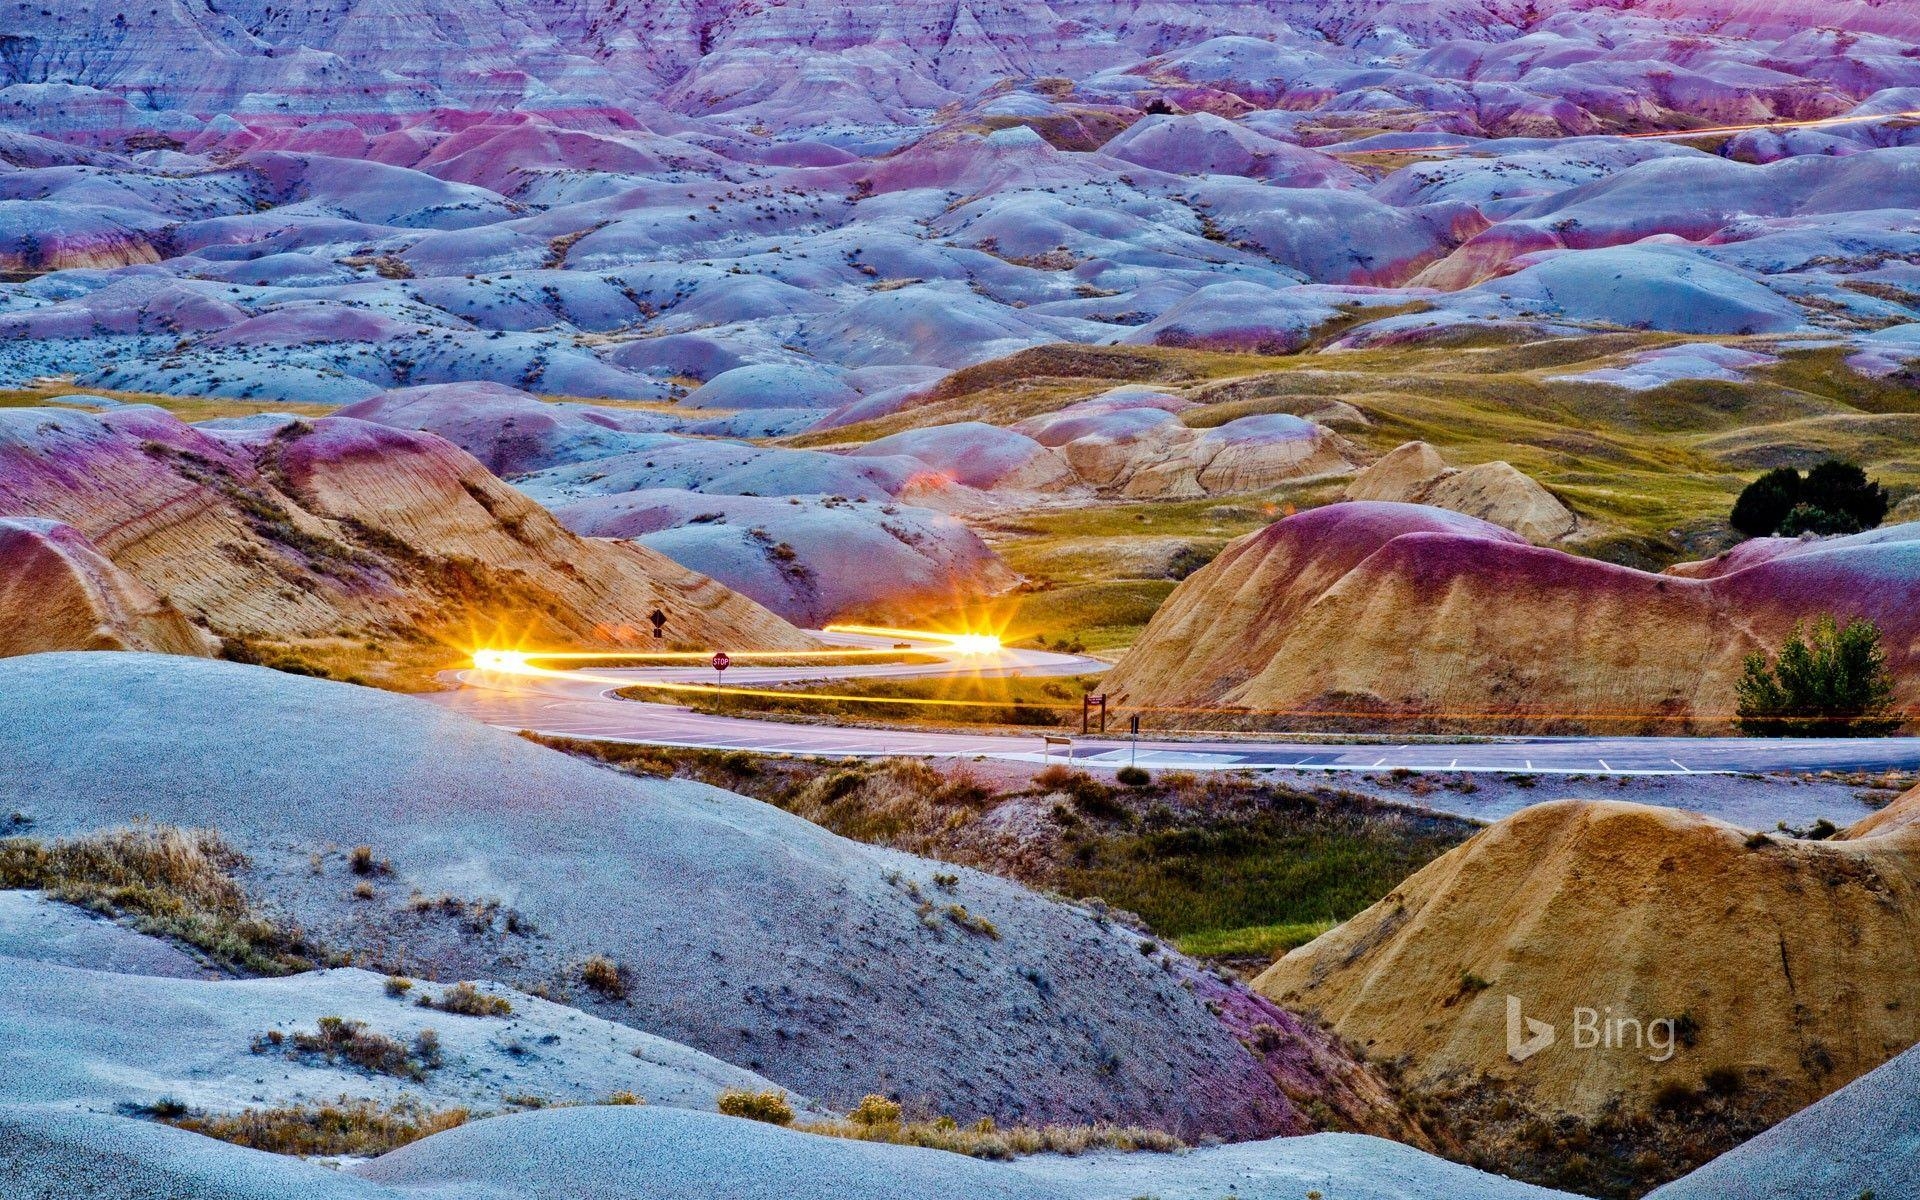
(984,1139)
(173,882)
(347,1126)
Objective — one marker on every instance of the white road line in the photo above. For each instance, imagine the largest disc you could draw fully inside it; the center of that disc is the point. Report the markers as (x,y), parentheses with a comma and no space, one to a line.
(1603,765)
(1684,767)
(1529,764)
(1453,764)
(1382,760)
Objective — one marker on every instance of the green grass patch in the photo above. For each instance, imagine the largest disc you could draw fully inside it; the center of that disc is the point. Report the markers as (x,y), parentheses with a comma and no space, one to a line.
(1090,617)
(1252,941)
(1287,861)
(960,700)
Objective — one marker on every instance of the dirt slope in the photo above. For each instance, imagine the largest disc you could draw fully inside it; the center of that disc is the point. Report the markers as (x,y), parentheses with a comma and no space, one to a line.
(59,593)
(1370,607)
(1785,965)
(341,528)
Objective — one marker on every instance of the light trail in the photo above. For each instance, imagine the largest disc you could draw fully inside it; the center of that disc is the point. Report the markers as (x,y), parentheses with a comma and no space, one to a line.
(969,645)
(520,660)
(499,657)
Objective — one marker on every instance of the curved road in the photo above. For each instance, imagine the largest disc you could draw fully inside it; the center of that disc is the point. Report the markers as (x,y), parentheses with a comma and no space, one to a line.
(581,705)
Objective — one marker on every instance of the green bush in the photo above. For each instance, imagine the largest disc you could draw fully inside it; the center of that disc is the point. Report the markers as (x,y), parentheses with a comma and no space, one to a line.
(1827,682)
(1833,498)
(1133,776)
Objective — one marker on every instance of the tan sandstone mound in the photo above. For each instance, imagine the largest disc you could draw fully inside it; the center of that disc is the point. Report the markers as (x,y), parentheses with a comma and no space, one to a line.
(1368,608)
(336,527)
(59,593)
(1785,966)
(1493,491)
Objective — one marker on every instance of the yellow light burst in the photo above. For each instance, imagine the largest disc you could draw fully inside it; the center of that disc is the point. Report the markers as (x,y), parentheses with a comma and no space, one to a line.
(510,662)
(976,643)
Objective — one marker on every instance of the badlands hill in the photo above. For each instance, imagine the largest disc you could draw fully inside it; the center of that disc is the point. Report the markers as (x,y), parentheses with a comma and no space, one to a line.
(59,593)
(1371,607)
(1785,966)
(285,531)
(833,968)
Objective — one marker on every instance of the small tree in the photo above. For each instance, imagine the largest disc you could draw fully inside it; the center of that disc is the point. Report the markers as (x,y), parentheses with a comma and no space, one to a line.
(1829,682)
(1834,497)
(1843,489)
(1766,502)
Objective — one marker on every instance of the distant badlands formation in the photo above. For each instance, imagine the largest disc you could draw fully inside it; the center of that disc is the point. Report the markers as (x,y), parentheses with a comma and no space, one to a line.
(803,217)
(1393,610)
(137,531)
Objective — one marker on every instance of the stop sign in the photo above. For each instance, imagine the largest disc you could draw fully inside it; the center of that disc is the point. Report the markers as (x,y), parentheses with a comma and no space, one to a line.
(721,662)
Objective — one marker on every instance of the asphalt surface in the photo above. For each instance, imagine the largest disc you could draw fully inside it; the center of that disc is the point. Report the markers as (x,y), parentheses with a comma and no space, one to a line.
(580,704)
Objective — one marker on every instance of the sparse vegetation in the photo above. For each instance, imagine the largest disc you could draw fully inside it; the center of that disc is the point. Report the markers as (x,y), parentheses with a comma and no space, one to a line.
(171,882)
(1829,681)
(1626,1151)
(984,1139)
(771,1107)
(1257,942)
(339,1040)
(1226,861)
(966,700)
(346,1126)
(466,1000)
(362,861)
(604,976)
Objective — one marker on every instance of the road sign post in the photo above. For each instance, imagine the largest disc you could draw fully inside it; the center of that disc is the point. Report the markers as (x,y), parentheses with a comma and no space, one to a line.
(721,661)
(659,620)
(1133,747)
(1087,704)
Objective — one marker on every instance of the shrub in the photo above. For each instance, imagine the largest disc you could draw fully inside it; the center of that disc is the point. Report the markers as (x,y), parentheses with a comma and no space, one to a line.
(605,976)
(337,1040)
(875,1110)
(361,861)
(624,1098)
(363,1128)
(466,1000)
(1133,776)
(398,985)
(1827,682)
(771,1107)
(1834,497)
(972,922)
(1765,502)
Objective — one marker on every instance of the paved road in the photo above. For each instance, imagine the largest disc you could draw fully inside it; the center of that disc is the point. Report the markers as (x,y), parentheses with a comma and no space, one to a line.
(579,704)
